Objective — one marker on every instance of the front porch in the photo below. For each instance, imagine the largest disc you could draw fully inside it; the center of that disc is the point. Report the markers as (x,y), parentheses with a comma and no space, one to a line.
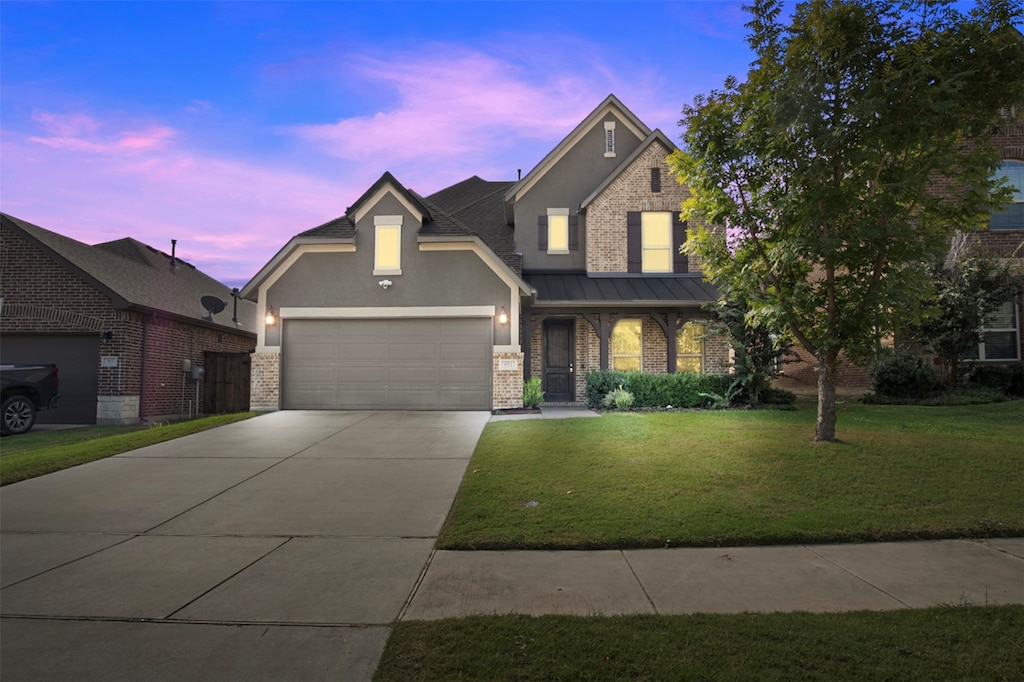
(561,345)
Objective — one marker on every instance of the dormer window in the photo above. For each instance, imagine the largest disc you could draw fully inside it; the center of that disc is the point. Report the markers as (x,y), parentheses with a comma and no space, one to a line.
(387,245)
(609,139)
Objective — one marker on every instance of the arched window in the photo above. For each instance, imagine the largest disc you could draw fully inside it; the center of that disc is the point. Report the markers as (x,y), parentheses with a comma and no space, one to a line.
(1011,217)
(627,345)
(690,348)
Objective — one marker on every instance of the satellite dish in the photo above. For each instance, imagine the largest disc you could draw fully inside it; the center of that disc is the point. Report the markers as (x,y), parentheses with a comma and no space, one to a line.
(213,306)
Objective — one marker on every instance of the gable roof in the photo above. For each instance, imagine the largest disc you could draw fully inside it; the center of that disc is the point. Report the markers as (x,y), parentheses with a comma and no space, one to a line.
(477,205)
(471,209)
(134,275)
(655,136)
(354,212)
(610,103)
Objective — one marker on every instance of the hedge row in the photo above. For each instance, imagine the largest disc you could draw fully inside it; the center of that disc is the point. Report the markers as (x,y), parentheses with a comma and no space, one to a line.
(682,389)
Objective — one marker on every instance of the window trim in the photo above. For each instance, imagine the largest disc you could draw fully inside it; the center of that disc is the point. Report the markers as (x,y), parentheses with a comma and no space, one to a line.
(386,223)
(639,355)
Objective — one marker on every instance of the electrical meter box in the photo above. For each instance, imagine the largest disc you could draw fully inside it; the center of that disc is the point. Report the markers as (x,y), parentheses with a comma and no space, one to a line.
(197,372)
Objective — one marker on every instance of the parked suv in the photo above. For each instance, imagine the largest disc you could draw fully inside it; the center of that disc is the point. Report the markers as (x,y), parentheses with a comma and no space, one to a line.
(24,390)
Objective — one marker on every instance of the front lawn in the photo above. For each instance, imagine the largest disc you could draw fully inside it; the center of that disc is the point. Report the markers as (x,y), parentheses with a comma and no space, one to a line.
(44,452)
(743,477)
(944,643)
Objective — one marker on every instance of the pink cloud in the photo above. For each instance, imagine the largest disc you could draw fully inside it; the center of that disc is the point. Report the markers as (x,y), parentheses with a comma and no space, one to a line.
(65,124)
(456,104)
(229,216)
(77,132)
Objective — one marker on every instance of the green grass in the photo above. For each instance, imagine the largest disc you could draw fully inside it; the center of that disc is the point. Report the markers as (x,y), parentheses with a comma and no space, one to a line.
(743,477)
(943,643)
(43,452)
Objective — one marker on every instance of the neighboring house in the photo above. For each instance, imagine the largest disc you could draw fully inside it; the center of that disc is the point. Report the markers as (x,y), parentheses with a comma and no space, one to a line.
(1003,337)
(450,301)
(123,322)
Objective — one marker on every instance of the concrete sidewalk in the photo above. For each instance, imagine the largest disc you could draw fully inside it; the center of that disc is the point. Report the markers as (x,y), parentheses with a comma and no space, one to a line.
(817,578)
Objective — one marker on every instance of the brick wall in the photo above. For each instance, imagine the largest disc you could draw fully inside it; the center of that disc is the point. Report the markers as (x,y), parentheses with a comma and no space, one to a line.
(508,383)
(631,191)
(265,387)
(169,391)
(41,295)
(801,376)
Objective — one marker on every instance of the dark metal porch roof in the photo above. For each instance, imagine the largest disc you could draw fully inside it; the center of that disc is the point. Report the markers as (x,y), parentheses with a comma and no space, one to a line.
(580,289)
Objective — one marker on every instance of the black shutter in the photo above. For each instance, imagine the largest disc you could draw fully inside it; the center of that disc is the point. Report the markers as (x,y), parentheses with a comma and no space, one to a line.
(679,260)
(574,233)
(542,233)
(655,180)
(634,243)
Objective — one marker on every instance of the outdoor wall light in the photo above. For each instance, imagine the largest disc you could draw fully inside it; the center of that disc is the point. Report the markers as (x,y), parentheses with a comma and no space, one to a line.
(384,284)
(271,319)
(502,316)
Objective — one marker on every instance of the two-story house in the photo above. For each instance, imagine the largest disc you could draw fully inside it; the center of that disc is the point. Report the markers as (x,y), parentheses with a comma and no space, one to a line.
(449,301)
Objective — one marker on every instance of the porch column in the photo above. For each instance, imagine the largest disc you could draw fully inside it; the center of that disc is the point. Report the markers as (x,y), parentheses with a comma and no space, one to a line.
(604,336)
(528,326)
(672,318)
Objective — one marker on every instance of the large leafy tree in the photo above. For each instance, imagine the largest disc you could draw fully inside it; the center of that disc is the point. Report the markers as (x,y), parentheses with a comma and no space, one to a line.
(857,143)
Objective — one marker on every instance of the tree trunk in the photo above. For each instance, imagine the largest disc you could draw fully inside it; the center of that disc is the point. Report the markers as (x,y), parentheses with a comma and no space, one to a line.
(825,429)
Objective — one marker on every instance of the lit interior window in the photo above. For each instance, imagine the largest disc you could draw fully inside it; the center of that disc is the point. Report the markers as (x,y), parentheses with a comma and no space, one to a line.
(656,237)
(558,234)
(627,345)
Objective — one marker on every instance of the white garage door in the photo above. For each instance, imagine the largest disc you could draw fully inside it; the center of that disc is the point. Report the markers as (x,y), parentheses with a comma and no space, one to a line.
(407,364)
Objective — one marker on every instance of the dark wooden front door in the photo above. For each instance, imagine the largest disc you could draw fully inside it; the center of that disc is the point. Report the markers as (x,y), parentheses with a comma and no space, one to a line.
(559,358)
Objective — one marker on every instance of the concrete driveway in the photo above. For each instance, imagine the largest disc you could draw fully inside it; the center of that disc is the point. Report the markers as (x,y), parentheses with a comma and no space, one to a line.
(278,548)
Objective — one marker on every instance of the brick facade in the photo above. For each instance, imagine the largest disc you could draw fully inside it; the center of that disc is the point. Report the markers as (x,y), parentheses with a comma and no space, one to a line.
(265,389)
(630,191)
(43,295)
(508,383)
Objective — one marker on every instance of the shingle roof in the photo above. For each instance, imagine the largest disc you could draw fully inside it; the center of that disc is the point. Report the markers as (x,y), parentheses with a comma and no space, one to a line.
(477,206)
(340,227)
(135,275)
(577,288)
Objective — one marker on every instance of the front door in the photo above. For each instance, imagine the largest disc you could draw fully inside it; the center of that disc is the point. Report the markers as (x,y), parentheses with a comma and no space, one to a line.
(559,358)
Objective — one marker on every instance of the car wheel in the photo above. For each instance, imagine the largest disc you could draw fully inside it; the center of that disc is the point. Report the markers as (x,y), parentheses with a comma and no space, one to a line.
(19,414)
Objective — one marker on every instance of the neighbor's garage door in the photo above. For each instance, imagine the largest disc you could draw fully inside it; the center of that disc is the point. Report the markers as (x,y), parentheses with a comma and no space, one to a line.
(77,357)
(408,364)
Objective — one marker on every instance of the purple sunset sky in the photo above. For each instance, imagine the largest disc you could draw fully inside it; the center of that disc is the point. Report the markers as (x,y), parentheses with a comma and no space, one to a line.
(233,126)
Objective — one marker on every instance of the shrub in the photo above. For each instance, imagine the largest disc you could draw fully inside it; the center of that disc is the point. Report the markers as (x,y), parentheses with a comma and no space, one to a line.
(682,389)
(601,383)
(532,395)
(901,374)
(1007,379)
(619,398)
